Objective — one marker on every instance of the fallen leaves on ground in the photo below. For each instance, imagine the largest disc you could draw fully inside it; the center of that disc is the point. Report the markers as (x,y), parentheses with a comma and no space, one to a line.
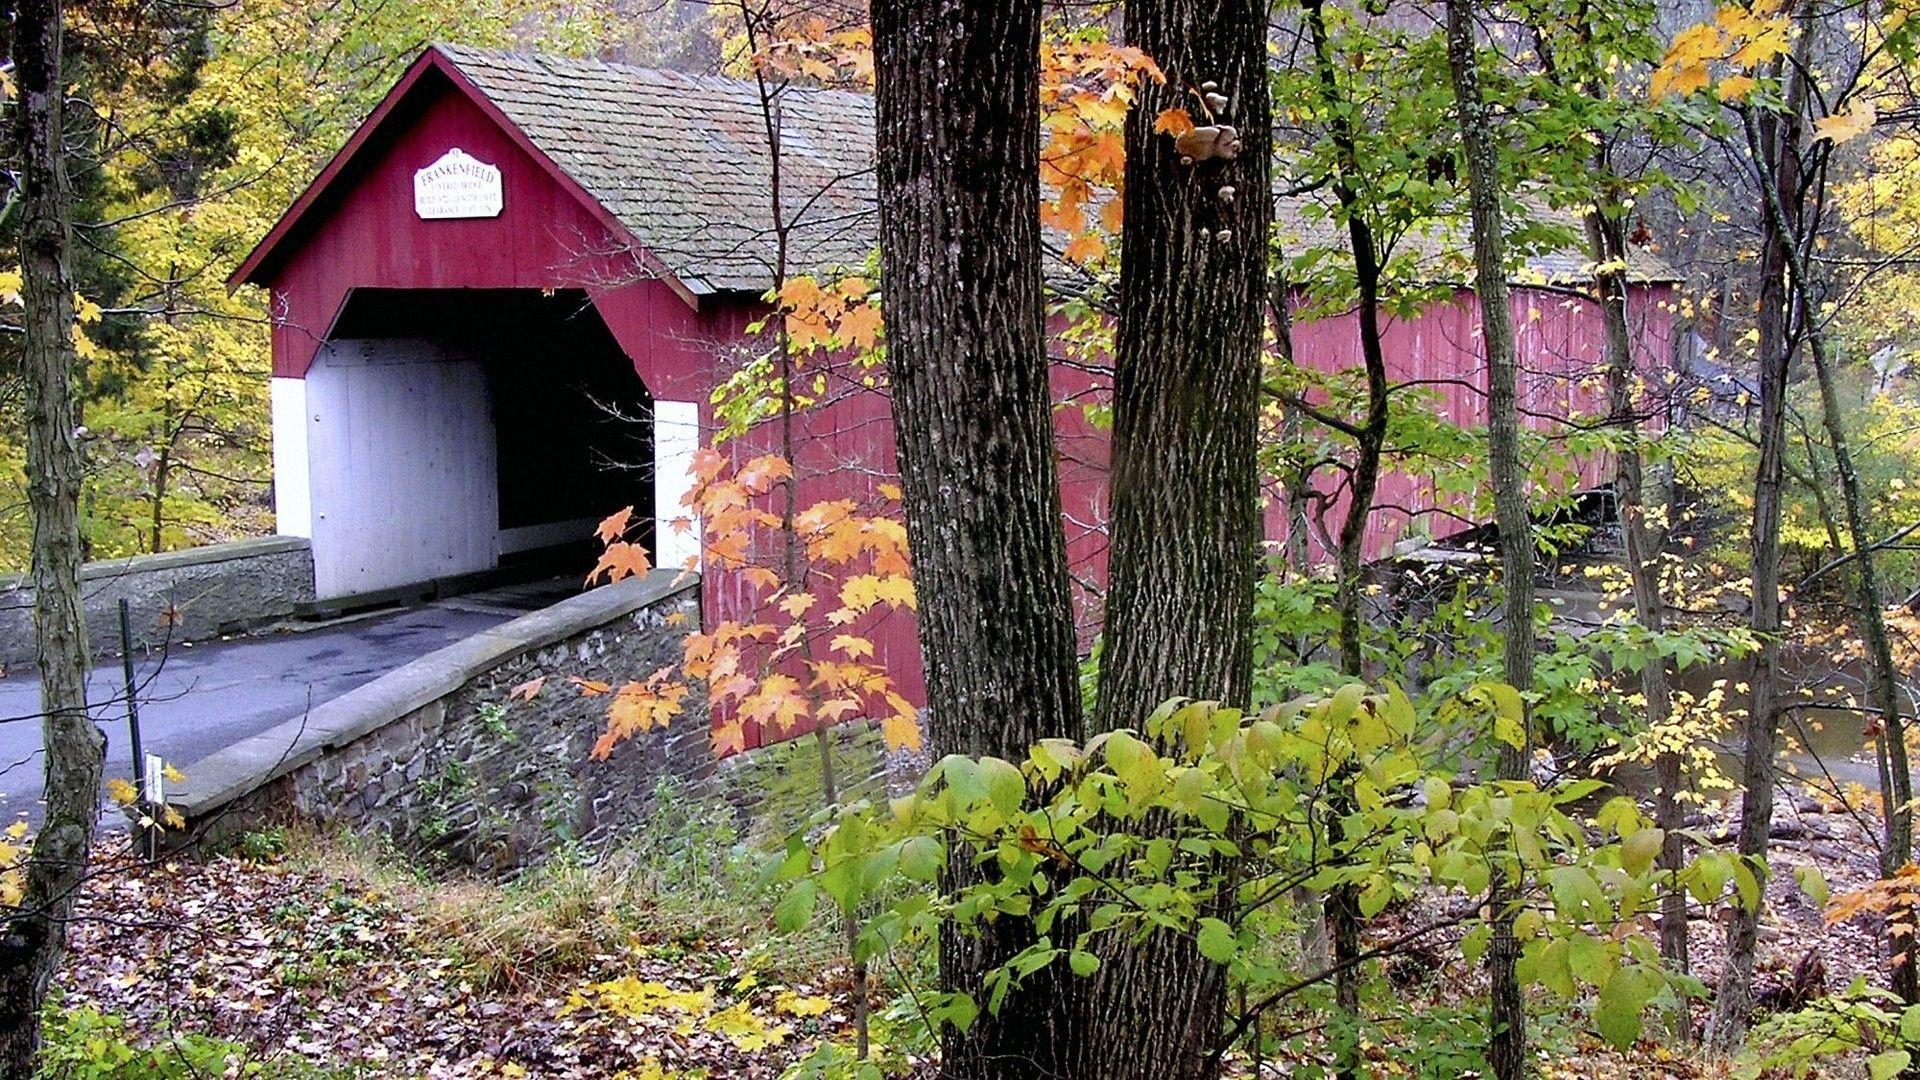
(337,972)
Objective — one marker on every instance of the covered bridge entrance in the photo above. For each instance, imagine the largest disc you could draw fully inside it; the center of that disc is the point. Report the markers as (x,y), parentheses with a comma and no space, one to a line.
(499,309)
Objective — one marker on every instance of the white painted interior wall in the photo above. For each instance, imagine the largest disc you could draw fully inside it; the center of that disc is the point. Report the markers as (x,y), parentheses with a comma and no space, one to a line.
(676,435)
(399,447)
(292,483)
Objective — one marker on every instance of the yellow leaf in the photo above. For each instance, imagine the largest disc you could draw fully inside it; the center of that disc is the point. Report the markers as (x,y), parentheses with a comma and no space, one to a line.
(797,1005)
(854,648)
(1736,87)
(121,791)
(17,830)
(1843,127)
(900,731)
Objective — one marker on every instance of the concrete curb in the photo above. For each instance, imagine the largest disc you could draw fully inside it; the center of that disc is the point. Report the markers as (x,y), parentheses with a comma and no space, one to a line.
(248,765)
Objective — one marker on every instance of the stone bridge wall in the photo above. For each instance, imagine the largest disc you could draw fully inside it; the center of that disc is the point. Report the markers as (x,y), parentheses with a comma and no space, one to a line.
(175,596)
(441,756)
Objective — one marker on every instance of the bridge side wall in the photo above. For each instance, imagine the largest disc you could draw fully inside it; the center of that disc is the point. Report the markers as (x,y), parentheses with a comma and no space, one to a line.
(443,757)
(175,596)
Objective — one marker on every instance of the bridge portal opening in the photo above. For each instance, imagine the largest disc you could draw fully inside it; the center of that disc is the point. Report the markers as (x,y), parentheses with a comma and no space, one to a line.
(454,433)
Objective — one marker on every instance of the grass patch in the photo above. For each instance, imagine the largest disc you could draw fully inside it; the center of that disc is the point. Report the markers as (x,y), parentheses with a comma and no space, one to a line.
(687,878)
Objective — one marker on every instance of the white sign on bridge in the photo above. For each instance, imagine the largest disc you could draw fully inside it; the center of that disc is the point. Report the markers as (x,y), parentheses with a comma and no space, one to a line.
(457,186)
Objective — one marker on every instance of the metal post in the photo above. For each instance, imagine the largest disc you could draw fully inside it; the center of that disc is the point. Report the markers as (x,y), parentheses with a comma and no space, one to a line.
(142,808)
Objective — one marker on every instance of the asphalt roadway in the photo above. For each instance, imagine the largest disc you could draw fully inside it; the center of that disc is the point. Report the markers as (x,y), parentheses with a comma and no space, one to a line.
(196,699)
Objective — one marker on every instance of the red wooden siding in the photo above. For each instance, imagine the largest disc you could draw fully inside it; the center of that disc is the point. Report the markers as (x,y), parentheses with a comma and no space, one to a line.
(357,229)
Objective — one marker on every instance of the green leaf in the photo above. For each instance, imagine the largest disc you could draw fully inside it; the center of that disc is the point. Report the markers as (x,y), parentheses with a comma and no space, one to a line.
(1510,731)
(1910,1024)
(1083,963)
(921,858)
(1888,1065)
(1216,941)
(795,909)
(1005,786)
(1813,883)
(1639,849)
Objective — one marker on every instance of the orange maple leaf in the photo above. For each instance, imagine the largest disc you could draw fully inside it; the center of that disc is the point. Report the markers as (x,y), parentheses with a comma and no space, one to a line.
(615,525)
(621,560)
(526,690)
(729,737)
(860,327)
(778,702)
(1175,122)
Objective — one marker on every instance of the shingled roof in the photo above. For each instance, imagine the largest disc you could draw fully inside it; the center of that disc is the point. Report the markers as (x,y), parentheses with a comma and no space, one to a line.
(682,161)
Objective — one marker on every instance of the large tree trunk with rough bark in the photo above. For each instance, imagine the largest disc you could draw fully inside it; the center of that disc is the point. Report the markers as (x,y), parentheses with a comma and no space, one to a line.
(1186,521)
(33,937)
(1507,1035)
(1775,135)
(958,147)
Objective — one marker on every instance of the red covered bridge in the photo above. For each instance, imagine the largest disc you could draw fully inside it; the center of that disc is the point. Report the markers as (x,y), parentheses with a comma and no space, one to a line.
(501,310)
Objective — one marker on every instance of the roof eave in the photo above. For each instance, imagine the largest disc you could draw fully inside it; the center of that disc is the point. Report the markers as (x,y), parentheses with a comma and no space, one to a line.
(262,260)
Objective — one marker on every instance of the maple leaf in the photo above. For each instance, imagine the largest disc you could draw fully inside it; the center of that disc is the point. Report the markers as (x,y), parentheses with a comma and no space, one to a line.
(900,731)
(527,690)
(707,464)
(759,475)
(1736,87)
(854,648)
(837,709)
(729,737)
(1846,126)
(797,604)
(860,327)
(1175,122)
(889,491)
(619,561)
(778,702)
(640,707)
(863,591)
(122,791)
(1086,248)
(589,687)
(615,525)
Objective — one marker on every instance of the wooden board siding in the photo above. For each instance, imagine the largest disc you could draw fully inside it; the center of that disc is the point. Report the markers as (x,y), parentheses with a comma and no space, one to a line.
(357,230)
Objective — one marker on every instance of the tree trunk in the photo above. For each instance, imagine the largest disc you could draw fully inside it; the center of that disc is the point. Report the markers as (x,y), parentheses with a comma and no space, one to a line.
(1776,166)
(1896,783)
(1370,440)
(1606,233)
(958,146)
(33,937)
(1507,1047)
(1185,474)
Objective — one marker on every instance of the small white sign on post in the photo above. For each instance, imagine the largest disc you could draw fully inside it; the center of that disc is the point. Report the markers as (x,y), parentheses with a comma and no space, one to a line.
(457,186)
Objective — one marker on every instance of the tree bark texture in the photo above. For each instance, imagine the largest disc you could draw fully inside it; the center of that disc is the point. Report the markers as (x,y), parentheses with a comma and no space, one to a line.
(958,143)
(1777,166)
(1507,1035)
(1607,236)
(33,937)
(1185,527)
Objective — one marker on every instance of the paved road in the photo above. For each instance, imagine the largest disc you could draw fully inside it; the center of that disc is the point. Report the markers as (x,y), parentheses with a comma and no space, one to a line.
(200,698)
